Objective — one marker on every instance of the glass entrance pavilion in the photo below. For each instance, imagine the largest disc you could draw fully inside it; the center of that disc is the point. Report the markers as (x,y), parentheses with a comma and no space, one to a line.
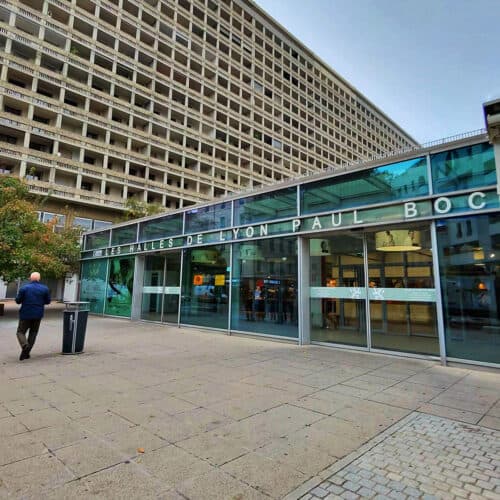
(401,255)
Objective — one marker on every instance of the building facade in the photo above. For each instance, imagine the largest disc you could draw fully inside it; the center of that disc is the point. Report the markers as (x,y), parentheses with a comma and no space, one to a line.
(400,256)
(168,102)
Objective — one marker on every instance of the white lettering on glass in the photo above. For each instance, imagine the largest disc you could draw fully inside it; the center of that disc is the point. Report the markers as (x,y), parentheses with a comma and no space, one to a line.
(316,223)
(472,199)
(410,210)
(338,222)
(356,220)
(438,205)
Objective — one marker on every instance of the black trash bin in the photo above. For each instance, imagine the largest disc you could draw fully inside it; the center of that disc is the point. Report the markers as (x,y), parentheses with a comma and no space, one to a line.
(74,327)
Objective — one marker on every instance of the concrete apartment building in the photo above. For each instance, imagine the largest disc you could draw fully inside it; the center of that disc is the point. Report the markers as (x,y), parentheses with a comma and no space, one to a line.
(168,102)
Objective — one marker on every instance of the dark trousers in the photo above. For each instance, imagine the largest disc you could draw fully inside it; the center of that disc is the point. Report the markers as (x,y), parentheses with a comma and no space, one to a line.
(24,325)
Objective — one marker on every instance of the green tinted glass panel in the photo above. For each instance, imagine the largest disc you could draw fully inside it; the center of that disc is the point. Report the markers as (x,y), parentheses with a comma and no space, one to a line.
(97,240)
(266,207)
(125,234)
(205,286)
(208,218)
(464,168)
(162,227)
(398,181)
(119,286)
(264,293)
(93,284)
(469,261)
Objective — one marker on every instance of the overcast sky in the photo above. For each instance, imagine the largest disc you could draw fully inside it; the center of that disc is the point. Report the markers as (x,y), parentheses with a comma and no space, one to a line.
(428,64)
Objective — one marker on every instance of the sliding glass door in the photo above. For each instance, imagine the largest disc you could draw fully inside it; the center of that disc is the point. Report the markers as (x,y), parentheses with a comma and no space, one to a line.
(387,274)
(161,287)
(338,293)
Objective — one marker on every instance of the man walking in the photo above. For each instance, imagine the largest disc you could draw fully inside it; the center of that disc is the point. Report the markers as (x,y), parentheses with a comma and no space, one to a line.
(33,297)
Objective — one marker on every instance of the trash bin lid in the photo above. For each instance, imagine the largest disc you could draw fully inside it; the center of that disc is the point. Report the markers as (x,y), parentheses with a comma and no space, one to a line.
(77,306)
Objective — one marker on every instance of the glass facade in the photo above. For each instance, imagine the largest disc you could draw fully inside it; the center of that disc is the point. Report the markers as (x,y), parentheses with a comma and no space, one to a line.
(211,217)
(162,227)
(401,290)
(355,266)
(205,287)
(463,168)
(152,290)
(264,287)
(93,284)
(469,258)
(125,234)
(97,240)
(338,294)
(161,287)
(119,286)
(398,181)
(266,206)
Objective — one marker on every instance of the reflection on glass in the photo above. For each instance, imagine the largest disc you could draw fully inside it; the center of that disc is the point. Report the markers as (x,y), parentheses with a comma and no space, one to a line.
(264,296)
(266,206)
(119,287)
(160,227)
(338,303)
(205,287)
(122,235)
(97,240)
(152,291)
(398,181)
(93,284)
(208,218)
(464,168)
(172,284)
(160,293)
(405,320)
(469,258)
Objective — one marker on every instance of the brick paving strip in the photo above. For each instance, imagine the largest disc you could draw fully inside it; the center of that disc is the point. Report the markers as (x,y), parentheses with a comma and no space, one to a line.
(422,456)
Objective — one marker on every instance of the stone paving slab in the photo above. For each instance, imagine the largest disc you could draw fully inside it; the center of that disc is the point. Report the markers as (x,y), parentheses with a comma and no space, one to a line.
(156,411)
(425,457)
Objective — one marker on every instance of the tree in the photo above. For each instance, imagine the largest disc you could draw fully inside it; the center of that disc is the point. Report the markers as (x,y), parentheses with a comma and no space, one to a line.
(26,244)
(135,209)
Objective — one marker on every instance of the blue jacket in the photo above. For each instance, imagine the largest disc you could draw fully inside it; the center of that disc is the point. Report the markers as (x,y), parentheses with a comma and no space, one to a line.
(33,298)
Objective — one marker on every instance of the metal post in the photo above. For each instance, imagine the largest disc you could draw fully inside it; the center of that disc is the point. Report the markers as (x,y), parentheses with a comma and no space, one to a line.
(439,301)
(367,299)
(303,298)
(230,297)
(182,253)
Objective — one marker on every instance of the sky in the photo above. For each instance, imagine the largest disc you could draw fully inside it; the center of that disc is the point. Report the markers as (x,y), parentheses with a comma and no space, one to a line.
(427,64)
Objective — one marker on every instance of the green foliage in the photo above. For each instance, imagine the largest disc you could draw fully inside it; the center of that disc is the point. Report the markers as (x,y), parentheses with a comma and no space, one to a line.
(135,209)
(26,244)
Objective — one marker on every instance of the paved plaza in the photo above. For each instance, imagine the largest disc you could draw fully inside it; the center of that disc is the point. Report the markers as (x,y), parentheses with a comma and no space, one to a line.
(153,411)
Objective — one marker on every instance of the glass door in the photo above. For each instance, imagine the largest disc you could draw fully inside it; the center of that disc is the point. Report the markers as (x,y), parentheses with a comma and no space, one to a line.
(338,291)
(152,290)
(401,293)
(172,289)
(160,291)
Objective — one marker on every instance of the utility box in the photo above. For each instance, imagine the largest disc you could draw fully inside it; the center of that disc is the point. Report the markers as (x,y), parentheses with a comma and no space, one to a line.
(74,327)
